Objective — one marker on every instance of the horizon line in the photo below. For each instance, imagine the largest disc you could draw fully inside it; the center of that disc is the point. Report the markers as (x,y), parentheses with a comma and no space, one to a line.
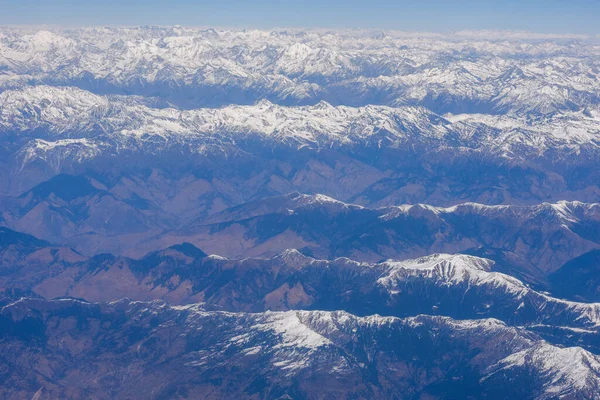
(466,33)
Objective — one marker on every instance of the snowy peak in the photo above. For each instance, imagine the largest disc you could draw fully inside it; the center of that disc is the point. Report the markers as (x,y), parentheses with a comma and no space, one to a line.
(457,261)
(564,369)
(294,259)
(563,212)
(449,269)
(299,201)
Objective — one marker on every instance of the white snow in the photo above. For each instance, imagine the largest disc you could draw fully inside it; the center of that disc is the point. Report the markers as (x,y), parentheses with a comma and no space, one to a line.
(565,368)
(294,333)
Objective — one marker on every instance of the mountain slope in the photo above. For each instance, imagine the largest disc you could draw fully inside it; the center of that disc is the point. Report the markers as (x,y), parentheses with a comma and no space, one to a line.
(25,260)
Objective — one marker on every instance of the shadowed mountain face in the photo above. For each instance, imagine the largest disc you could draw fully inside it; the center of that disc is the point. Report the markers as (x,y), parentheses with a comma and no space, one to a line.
(442,192)
(579,278)
(63,187)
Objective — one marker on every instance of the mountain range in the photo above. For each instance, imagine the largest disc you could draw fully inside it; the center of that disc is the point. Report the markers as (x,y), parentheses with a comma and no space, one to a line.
(290,214)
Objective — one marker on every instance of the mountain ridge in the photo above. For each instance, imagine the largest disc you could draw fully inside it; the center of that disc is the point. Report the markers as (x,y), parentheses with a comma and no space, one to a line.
(285,345)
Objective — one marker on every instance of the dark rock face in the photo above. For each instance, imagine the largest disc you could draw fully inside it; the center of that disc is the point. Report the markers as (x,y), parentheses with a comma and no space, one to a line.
(579,278)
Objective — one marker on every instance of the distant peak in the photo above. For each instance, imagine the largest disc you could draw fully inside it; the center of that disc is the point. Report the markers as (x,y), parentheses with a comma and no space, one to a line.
(323,105)
(319,199)
(294,258)
(264,103)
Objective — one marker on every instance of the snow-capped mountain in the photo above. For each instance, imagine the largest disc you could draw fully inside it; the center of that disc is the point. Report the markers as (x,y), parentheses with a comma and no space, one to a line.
(50,118)
(468,72)
(230,355)
(66,113)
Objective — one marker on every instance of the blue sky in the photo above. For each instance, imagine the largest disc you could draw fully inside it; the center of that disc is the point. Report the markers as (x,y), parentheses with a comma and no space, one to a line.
(574,16)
